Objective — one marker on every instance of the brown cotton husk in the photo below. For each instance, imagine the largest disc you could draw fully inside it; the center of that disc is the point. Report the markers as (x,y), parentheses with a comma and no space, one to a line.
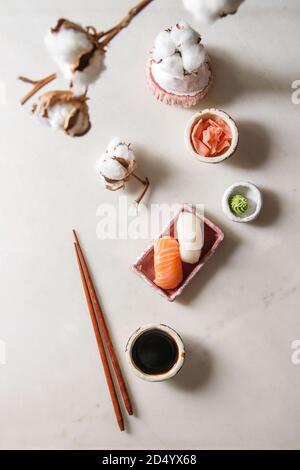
(77,123)
(129,165)
(89,32)
(64,23)
(85,59)
(115,185)
(84,68)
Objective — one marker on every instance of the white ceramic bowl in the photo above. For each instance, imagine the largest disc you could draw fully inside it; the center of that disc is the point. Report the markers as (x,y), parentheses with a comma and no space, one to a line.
(157,377)
(252,193)
(229,121)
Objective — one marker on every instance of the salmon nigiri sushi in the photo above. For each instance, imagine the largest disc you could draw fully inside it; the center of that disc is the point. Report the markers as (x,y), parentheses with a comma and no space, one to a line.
(167,263)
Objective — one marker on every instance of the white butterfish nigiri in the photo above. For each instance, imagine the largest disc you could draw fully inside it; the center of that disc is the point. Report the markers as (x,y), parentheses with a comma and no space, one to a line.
(190,237)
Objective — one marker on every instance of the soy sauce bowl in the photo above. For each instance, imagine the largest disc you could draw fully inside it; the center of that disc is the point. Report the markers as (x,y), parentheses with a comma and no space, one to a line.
(142,370)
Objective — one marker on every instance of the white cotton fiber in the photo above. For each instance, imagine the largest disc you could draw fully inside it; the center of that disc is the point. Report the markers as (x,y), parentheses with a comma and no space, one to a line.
(66,45)
(178,51)
(199,9)
(182,34)
(91,73)
(62,110)
(164,46)
(111,168)
(58,114)
(173,66)
(117,148)
(123,151)
(113,144)
(193,57)
(207,11)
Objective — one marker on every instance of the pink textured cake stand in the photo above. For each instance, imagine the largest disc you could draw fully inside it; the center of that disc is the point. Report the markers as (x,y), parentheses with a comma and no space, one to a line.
(185,101)
(144,266)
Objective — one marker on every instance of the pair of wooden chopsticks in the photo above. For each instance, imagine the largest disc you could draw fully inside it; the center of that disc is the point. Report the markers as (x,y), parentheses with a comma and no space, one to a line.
(102,336)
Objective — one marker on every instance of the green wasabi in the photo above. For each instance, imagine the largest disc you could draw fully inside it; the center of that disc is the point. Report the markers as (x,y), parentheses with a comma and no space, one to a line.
(238,204)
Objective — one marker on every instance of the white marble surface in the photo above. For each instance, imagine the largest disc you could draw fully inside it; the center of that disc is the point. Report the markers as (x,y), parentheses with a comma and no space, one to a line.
(239,388)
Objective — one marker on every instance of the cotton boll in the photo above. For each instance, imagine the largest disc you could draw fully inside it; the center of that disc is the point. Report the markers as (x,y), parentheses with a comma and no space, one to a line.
(182,34)
(113,144)
(66,45)
(63,111)
(199,9)
(116,164)
(193,57)
(164,46)
(124,151)
(224,7)
(186,72)
(176,31)
(187,37)
(77,54)
(207,11)
(173,66)
(111,168)
(116,148)
(121,150)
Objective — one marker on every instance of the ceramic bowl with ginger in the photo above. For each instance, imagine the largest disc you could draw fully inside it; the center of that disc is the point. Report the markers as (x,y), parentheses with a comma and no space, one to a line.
(211,136)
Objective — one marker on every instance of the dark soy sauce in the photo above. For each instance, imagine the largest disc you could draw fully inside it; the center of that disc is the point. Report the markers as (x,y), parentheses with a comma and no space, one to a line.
(154,352)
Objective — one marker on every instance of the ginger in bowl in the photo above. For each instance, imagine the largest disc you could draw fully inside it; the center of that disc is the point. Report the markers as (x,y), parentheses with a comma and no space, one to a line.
(211,136)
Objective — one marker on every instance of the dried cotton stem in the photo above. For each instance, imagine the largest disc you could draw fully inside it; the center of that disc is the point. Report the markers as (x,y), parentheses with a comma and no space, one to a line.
(99,39)
(110,34)
(37,85)
(146,184)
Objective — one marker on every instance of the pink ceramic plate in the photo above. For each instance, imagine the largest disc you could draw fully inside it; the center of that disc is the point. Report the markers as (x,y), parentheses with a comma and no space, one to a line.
(144,266)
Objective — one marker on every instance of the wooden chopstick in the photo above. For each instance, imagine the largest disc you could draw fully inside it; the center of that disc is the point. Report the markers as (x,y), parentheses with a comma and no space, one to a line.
(104,330)
(109,379)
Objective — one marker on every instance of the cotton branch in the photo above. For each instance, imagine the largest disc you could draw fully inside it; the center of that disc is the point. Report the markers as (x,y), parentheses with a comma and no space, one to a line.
(37,85)
(98,43)
(109,35)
